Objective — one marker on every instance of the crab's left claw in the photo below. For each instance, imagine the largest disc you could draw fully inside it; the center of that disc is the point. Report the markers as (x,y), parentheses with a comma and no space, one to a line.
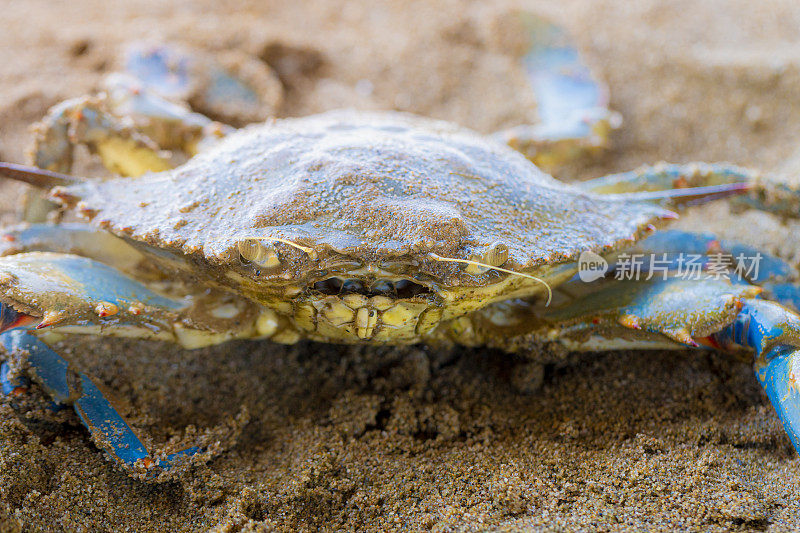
(572,103)
(773,331)
(777,371)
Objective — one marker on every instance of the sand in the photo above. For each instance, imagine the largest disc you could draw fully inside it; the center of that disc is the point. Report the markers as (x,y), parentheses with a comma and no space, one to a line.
(346,438)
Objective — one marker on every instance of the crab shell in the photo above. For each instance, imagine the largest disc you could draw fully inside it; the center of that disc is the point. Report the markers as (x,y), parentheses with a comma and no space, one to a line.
(370,196)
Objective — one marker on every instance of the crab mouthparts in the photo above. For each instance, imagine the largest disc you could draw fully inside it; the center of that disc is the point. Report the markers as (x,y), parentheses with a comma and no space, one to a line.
(398,288)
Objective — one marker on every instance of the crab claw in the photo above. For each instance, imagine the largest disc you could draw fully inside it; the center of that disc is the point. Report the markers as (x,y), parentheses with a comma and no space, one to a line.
(777,371)
(68,290)
(773,331)
(717,314)
(66,386)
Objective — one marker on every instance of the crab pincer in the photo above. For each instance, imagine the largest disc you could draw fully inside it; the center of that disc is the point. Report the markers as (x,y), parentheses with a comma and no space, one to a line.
(67,386)
(773,332)
(92,296)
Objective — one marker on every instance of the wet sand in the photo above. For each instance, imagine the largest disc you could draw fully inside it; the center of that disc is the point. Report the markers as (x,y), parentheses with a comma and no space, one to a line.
(345,438)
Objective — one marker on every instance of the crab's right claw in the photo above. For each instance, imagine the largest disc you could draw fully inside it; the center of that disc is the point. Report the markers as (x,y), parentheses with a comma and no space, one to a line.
(45,291)
(574,118)
(82,295)
(66,386)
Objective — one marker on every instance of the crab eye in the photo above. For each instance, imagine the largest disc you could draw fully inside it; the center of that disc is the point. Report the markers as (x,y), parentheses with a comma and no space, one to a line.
(496,254)
(254,251)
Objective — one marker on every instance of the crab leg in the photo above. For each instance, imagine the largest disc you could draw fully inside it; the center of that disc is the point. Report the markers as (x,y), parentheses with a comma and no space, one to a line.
(232,87)
(676,185)
(146,110)
(88,121)
(75,238)
(773,332)
(780,280)
(574,119)
(42,290)
(128,146)
(67,386)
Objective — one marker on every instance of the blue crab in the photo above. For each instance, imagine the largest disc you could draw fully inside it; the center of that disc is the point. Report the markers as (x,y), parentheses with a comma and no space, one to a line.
(375,228)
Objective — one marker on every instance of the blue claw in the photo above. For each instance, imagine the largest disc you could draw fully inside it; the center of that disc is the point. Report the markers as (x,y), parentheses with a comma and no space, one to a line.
(100,417)
(50,369)
(773,332)
(66,290)
(774,274)
(10,385)
(107,427)
(676,242)
(778,376)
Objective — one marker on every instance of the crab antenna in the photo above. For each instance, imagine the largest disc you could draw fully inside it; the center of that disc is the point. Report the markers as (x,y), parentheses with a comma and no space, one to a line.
(43,179)
(499,269)
(310,251)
